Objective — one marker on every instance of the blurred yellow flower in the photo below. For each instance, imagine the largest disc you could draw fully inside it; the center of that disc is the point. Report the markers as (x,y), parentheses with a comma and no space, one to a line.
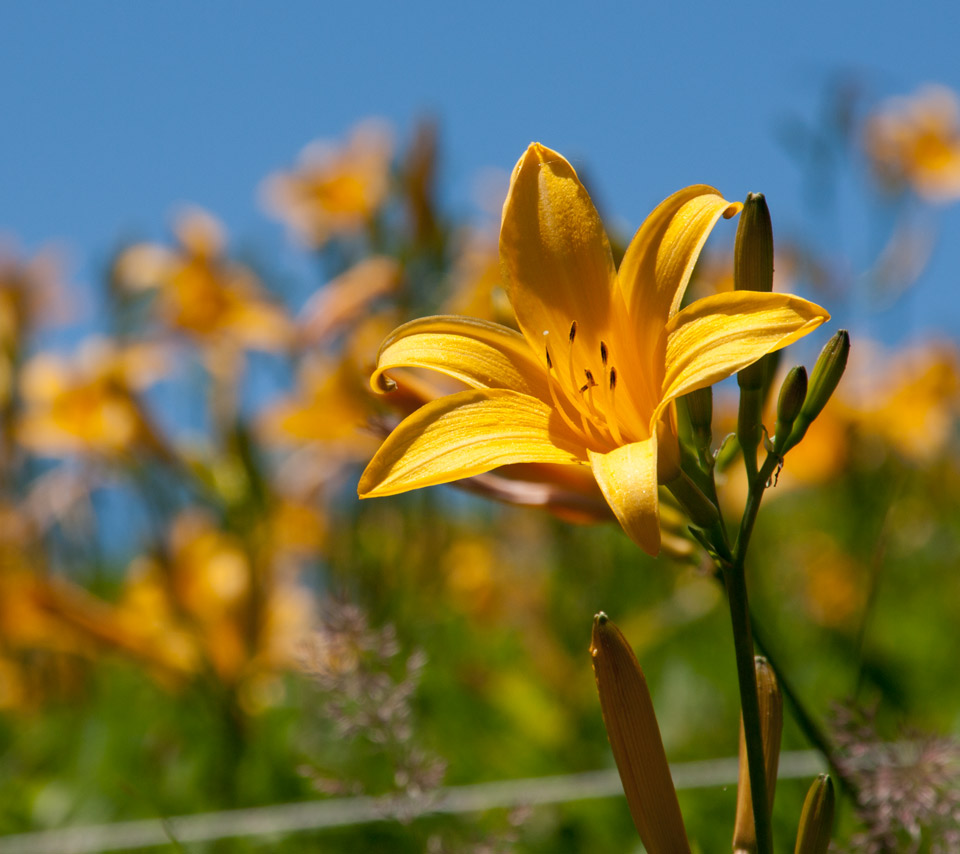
(910,399)
(915,141)
(602,356)
(89,403)
(333,190)
(210,604)
(347,298)
(476,283)
(330,406)
(200,292)
(30,293)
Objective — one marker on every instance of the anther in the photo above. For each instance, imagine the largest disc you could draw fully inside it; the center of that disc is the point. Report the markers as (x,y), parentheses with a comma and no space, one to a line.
(573,331)
(549,360)
(603,353)
(584,387)
(589,375)
(613,378)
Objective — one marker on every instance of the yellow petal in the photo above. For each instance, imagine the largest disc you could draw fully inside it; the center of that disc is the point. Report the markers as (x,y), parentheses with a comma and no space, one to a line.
(627,476)
(477,352)
(555,256)
(465,434)
(723,333)
(659,260)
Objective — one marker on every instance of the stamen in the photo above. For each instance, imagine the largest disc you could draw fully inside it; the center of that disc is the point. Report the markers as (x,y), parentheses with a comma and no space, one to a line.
(571,373)
(603,353)
(597,413)
(611,407)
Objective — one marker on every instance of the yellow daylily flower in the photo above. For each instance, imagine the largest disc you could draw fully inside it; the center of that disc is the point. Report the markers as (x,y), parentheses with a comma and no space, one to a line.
(201,292)
(89,402)
(915,141)
(602,354)
(334,189)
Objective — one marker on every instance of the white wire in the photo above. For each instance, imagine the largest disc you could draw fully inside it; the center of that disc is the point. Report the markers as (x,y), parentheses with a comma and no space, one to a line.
(283,819)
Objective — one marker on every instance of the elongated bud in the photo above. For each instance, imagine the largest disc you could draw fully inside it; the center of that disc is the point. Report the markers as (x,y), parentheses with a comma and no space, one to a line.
(752,271)
(771,726)
(701,510)
(793,393)
(753,250)
(700,407)
(830,366)
(635,739)
(816,819)
(827,373)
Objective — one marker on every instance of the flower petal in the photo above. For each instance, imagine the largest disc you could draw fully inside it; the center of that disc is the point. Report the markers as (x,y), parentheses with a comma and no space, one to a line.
(627,476)
(556,258)
(464,434)
(659,260)
(477,352)
(721,334)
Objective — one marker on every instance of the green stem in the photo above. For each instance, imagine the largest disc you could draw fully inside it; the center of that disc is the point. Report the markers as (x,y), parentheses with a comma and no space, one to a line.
(735,580)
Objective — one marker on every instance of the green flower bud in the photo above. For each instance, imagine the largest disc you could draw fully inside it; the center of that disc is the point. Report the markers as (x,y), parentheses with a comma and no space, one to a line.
(753,250)
(816,819)
(701,510)
(826,375)
(793,393)
(752,271)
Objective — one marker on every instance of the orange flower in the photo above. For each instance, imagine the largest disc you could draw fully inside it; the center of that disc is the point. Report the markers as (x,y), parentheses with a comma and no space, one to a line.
(30,293)
(200,292)
(333,190)
(89,403)
(915,142)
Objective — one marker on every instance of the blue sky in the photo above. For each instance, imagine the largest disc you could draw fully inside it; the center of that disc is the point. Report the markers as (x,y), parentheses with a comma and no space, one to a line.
(115,113)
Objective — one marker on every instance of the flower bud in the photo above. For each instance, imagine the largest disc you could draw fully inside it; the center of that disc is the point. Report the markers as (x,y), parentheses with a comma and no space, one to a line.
(635,739)
(826,375)
(771,726)
(816,819)
(793,393)
(752,271)
(753,250)
(701,510)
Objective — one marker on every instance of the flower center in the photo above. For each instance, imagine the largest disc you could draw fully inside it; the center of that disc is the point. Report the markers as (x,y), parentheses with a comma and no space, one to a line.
(592,400)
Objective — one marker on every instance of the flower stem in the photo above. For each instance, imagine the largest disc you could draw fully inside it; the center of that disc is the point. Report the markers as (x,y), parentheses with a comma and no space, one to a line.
(735,581)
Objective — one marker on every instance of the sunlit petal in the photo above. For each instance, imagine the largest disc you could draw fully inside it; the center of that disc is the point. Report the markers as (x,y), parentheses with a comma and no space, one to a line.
(480,353)
(555,254)
(659,260)
(465,434)
(723,333)
(627,476)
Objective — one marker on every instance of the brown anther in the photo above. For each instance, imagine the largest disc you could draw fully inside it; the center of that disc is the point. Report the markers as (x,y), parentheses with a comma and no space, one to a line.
(549,360)
(603,353)
(573,331)
(584,387)
(589,375)
(613,378)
